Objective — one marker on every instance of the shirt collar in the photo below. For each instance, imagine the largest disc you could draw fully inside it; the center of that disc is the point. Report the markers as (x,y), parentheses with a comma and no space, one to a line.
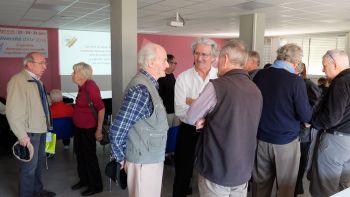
(33,75)
(83,87)
(148,76)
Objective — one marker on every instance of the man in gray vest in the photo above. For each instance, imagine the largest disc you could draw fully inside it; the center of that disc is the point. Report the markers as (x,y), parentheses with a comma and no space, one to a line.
(139,131)
(229,110)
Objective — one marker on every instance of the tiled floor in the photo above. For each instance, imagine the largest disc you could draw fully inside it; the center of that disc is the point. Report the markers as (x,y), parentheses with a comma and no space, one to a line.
(61,174)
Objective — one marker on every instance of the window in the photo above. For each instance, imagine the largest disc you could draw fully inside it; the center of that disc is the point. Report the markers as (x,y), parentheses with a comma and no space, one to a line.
(314,47)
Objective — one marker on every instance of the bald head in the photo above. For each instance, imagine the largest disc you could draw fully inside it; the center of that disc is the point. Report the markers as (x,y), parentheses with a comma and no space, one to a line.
(153,59)
(334,61)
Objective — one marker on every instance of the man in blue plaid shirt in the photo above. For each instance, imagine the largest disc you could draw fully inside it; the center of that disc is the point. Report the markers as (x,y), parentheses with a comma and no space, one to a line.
(139,131)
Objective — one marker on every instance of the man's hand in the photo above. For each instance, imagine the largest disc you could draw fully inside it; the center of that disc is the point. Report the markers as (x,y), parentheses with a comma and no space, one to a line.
(189,100)
(307,125)
(200,124)
(122,164)
(98,134)
(24,141)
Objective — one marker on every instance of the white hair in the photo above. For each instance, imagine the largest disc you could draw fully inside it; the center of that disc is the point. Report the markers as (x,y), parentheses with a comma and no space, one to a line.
(56,95)
(147,54)
(338,57)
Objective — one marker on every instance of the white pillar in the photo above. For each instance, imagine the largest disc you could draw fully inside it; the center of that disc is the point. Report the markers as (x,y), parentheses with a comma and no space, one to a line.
(252,31)
(123,47)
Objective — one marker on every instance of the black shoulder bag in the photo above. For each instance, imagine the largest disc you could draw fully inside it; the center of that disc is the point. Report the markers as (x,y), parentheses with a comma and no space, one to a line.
(105,127)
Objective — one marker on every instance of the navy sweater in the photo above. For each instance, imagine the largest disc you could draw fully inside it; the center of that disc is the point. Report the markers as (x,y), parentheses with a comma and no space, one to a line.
(285,105)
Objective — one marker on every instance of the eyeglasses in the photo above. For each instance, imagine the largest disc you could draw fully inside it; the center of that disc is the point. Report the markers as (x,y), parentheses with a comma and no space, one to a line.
(40,63)
(330,55)
(204,55)
(172,62)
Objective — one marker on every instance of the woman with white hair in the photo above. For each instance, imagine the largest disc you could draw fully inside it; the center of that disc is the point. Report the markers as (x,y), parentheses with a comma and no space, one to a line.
(59,109)
(88,129)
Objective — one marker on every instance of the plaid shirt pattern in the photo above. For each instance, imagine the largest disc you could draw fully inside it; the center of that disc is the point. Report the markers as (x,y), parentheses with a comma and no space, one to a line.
(137,105)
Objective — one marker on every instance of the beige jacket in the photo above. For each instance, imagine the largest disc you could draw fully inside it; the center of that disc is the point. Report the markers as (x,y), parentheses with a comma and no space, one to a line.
(24,109)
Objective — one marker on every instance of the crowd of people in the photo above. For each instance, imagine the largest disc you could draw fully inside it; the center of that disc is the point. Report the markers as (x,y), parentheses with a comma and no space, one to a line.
(239,125)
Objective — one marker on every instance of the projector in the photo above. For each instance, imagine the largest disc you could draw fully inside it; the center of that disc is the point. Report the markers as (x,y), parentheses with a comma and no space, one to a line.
(176,23)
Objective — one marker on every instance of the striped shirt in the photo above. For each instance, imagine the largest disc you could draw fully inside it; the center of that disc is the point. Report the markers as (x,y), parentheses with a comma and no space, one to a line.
(137,105)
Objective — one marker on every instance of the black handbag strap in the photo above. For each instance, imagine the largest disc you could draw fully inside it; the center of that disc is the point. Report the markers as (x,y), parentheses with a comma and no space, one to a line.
(91,105)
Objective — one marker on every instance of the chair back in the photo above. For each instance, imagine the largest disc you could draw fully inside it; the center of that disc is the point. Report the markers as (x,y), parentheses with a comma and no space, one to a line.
(63,127)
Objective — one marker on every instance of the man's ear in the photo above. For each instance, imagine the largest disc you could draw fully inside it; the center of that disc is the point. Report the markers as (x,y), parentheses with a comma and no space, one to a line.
(150,64)
(335,66)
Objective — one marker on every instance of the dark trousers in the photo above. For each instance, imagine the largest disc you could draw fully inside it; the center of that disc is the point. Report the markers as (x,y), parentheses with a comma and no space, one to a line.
(66,142)
(30,172)
(305,142)
(184,158)
(87,162)
(304,152)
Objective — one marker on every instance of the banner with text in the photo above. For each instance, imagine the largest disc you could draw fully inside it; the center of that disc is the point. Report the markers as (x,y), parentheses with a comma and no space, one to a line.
(18,42)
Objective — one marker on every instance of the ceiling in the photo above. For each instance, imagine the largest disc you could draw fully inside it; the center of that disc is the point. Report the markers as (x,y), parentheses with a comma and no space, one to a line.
(215,18)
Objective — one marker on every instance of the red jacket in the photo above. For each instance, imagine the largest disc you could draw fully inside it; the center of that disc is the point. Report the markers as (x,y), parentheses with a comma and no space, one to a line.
(61,109)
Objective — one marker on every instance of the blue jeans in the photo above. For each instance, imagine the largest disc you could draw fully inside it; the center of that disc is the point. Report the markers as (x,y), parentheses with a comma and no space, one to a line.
(30,172)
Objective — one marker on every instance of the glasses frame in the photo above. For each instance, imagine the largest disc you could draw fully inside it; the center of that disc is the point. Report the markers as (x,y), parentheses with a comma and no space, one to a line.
(171,62)
(40,63)
(330,55)
(204,55)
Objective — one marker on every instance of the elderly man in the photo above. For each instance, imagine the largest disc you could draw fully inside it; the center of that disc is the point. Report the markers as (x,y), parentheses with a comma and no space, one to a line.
(139,131)
(285,106)
(231,106)
(331,165)
(27,111)
(187,88)
(252,63)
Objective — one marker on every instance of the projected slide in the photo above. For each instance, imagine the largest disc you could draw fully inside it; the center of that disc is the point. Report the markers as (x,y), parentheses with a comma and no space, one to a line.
(93,48)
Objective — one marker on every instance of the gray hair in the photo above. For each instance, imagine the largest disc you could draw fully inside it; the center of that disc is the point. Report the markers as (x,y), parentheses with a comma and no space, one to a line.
(206,41)
(29,58)
(83,69)
(338,57)
(255,56)
(236,51)
(147,54)
(56,95)
(290,52)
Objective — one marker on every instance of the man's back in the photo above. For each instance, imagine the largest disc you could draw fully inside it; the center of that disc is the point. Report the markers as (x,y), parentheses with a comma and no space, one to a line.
(285,105)
(226,148)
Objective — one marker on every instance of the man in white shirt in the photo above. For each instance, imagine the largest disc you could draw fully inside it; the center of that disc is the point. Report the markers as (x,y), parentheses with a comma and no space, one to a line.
(189,85)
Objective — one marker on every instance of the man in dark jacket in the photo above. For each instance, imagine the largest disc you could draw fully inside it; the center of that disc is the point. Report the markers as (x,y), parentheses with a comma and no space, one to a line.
(231,106)
(331,165)
(285,106)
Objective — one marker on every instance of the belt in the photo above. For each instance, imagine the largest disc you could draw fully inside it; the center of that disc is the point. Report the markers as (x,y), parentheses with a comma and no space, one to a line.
(338,133)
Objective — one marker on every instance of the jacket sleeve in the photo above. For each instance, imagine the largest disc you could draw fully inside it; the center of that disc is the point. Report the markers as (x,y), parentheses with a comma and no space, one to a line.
(16,107)
(180,97)
(302,106)
(313,92)
(332,107)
